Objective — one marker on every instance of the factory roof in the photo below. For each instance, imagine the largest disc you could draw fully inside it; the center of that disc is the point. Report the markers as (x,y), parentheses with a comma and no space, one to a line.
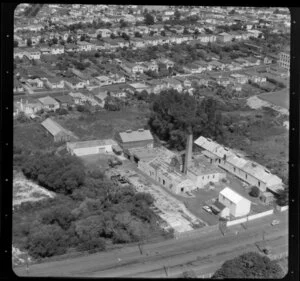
(139,135)
(200,166)
(252,168)
(54,128)
(232,195)
(90,143)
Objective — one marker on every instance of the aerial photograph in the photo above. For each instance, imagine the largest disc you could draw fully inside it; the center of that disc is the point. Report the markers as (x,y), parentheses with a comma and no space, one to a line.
(150,141)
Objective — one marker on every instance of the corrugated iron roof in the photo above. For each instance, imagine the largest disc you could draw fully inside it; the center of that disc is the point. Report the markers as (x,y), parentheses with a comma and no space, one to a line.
(54,128)
(90,143)
(136,136)
(232,195)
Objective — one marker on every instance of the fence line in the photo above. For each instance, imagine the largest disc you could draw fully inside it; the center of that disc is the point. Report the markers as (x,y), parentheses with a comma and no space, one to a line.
(196,231)
(249,218)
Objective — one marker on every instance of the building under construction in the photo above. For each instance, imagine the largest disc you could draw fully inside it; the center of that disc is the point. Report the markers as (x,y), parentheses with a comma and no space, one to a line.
(179,174)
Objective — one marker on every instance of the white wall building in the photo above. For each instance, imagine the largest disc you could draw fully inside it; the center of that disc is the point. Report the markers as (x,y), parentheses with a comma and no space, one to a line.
(83,148)
(238,205)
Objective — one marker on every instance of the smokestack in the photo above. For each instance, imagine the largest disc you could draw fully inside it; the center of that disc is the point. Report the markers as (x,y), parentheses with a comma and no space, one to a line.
(188,152)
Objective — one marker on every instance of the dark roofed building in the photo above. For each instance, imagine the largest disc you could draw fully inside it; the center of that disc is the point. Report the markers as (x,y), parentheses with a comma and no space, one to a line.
(65,101)
(57,131)
(139,138)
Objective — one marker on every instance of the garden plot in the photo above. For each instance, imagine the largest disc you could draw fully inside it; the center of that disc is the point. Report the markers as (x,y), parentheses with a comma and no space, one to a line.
(27,191)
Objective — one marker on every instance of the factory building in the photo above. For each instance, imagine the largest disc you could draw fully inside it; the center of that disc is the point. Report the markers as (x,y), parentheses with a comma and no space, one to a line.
(246,170)
(91,147)
(172,171)
(139,138)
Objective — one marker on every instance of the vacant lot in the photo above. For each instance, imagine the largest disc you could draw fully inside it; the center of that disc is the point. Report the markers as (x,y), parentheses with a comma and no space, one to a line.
(32,136)
(106,124)
(280,98)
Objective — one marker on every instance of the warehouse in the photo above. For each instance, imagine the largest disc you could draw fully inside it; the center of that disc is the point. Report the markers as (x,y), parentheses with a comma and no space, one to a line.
(90,147)
(238,205)
(246,170)
(139,138)
(57,131)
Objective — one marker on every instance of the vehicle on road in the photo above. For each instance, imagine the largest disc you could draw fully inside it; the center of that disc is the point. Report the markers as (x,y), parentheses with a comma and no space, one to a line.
(275,222)
(207,209)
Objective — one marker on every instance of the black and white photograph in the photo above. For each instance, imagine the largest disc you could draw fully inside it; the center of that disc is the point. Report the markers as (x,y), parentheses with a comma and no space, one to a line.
(151,141)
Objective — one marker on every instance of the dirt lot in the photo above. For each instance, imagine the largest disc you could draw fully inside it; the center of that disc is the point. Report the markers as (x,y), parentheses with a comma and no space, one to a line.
(278,98)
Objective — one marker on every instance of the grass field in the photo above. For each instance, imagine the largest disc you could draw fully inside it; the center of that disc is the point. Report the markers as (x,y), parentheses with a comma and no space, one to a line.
(102,125)
(32,136)
(280,98)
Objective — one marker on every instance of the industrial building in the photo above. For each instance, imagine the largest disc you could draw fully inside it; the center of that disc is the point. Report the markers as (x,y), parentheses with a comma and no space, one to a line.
(139,138)
(171,170)
(91,147)
(231,203)
(59,133)
(246,170)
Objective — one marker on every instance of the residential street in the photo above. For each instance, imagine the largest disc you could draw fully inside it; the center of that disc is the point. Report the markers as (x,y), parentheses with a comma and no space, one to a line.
(204,254)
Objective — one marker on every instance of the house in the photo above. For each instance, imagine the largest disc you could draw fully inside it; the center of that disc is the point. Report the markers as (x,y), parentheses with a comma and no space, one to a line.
(193,68)
(139,87)
(267,60)
(59,133)
(49,103)
(54,82)
(71,48)
(168,63)
(85,46)
(32,54)
(132,68)
(139,138)
(156,86)
(216,65)
(184,80)
(238,205)
(64,101)
(173,83)
(224,37)
(74,83)
(78,98)
(247,170)
(284,59)
(35,83)
(19,53)
(239,78)
(221,80)
(103,80)
(29,107)
(91,147)
(57,50)
(256,77)
(18,86)
(150,66)
(255,33)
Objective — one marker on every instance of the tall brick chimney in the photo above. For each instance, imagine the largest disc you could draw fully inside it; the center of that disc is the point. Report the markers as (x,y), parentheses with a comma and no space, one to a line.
(188,152)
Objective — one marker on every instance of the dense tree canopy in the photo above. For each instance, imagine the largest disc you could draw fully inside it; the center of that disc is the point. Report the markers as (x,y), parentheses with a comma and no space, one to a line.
(43,169)
(249,265)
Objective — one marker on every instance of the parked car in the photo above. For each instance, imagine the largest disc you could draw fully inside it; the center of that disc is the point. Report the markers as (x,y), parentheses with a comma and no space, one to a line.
(275,222)
(207,209)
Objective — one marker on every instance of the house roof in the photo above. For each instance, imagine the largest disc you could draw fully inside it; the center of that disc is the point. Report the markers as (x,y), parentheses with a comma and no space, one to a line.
(90,143)
(232,195)
(64,99)
(47,101)
(141,135)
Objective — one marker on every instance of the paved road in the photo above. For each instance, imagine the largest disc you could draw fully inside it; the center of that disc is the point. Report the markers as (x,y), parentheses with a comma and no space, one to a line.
(205,253)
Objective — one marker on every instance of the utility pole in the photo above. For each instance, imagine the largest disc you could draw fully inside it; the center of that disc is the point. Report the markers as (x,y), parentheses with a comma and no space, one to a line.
(166,270)
(27,265)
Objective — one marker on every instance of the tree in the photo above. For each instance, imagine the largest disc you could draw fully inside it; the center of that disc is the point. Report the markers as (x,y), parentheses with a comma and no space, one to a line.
(254,191)
(137,34)
(283,197)
(163,33)
(54,40)
(185,31)
(29,42)
(189,274)
(177,15)
(125,36)
(148,19)
(69,39)
(16,43)
(123,23)
(99,36)
(42,40)
(250,265)
(112,36)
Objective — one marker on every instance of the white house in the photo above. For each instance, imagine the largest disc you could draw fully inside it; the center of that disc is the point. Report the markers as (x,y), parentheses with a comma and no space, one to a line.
(238,205)
(83,148)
